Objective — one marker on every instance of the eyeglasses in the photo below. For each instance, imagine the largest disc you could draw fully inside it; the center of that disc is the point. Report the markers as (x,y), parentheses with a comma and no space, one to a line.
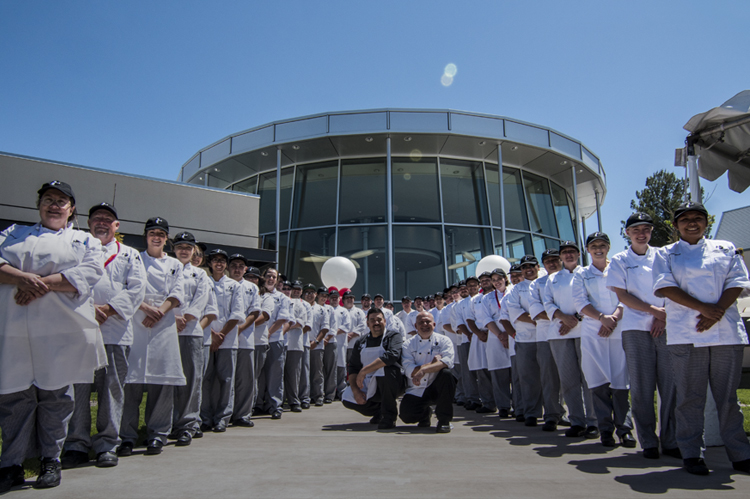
(60,203)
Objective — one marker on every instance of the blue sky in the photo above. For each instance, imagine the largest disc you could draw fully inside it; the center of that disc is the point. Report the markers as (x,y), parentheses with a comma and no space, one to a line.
(140,86)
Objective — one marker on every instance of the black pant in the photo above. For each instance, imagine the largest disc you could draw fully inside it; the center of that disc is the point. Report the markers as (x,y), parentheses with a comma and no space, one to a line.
(440,392)
(390,387)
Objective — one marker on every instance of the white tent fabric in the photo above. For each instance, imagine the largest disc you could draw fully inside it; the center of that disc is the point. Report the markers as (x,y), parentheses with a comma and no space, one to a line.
(722,141)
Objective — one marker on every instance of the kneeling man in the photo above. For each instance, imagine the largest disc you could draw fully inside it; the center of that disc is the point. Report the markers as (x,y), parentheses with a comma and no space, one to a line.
(375,380)
(428,359)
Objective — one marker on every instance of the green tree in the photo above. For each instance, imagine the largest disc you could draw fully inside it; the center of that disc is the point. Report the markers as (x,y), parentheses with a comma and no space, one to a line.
(664,192)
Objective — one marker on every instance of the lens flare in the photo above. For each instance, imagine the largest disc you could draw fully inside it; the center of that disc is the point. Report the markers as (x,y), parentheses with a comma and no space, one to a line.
(450,70)
(446,80)
(415,155)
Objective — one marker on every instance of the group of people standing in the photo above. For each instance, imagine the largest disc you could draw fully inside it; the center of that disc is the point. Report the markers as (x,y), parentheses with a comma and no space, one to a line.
(211,341)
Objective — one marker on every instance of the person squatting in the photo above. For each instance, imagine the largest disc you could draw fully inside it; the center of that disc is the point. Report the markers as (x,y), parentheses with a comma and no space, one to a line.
(212,341)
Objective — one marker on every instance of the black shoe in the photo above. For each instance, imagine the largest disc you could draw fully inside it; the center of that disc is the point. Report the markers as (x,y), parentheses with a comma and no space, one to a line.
(485,410)
(276,414)
(11,476)
(73,459)
(591,433)
(530,421)
(743,466)
(49,474)
(386,425)
(503,413)
(125,450)
(575,431)
(627,440)
(245,423)
(460,403)
(106,460)
(198,434)
(318,403)
(651,453)
(443,427)
(296,408)
(220,428)
(375,419)
(328,401)
(608,439)
(305,405)
(184,439)
(471,406)
(675,453)
(425,423)
(154,447)
(521,418)
(695,466)
(205,427)
(564,421)
(549,426)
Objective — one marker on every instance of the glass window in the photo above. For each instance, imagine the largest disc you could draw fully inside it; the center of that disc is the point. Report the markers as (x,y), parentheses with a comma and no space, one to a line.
(465,246)
(363,191)
(541,212)
(515,206)
(493,188)
(214,181)
(464,194)
(315,195)
(564,213)
(541,244)
(247,185)
(418,257)
(525,133)
(415,191)
(307,252)
(516,245)
(269,242)
(267,191)
(366,246)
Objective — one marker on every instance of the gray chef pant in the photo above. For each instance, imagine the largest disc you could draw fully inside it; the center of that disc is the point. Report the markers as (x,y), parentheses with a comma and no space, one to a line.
(329,370)
(292,375)
(484,384)
(649,367)
(217,404)
(187,399)
(612,409)
(340,380)
(468,378)
(316,376)
(517,393)
(244,385)
(553,408)
(501,388)
(458,373)
(531,379)
(304,378)
(694,368)
(34,423)
(261,352)
(109,383)
(271,380)
(158,416)
(575,390)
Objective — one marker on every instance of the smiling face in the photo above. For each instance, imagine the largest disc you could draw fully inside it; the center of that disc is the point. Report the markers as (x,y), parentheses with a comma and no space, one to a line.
(640,235)
(197,258)
(237,269)
(376,323)
(55,208)
(598,250)
(499,282)
(552,264)
(692,226)
(155,240)
(103,226)
(530,271)
(569,257)
(184,252)
(270,277)
(218,265)
(486,283)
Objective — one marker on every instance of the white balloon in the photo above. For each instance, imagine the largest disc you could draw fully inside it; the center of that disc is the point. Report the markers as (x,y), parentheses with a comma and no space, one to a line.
(338,272)
(492,262)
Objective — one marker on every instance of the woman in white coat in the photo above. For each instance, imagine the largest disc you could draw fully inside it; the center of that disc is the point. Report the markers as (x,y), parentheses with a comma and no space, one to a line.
(49,337)
(603,358)
(701,280)
(154,364)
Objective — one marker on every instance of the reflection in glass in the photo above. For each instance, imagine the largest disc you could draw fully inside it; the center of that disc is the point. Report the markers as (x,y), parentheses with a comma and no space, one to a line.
(418,258)
(363,191)
(465,246)
(305,249)
(315,195)
(515,206)
(564,212)
(516,245)
(247,185)
(366,246)
(415,191)
(540,205)
(543,243)
(464,194)
(493,189)
(267,192)
(269,242)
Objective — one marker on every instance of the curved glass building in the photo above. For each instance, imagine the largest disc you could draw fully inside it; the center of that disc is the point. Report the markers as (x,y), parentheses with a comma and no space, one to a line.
(414,197)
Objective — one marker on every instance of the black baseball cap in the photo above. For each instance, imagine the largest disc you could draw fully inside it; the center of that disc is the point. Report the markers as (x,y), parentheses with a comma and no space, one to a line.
(405,298)
(202,246)
(296,285)
(156,223)
(462,283)
(254,271)
(639,218)
(377,295)
(690,206)
(217,252)
(102,206)
(348,294)
(322,290)
(569,244)
(309,285)
(60,186)
(472,278)
(366,295)
(184,238)
(485,274)
(499,271)
(550,253)
(516,267)
(439,294)
(418,298)
(597,236)
(238,256)
(528,259)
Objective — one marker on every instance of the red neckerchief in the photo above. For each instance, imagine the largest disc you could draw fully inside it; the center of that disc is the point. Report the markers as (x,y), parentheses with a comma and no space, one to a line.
(109,260)
(498,299)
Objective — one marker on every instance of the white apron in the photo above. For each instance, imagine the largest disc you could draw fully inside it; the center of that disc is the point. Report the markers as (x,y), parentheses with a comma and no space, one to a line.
(478,353)
(603,359)
(367,355)
(498,357)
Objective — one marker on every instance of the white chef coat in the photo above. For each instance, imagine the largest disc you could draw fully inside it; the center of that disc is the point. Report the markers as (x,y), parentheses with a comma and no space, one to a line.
(498,357)
(155,355)
(397,325)
(282,310)
(418,352)
(294,338)
(53,341)
(196,290)
(558,295)
(402,315)
(449,317)
(230,303)
(123,287)
(359,325)
(518,304)
(343,323)
(505,316)
(332,325)
(703,270)
(536,307)
(368,355)
(319,321)
(634,273)
(251,300)
(465,312)
(267,306)
(308,323)
(477,348)
(602,359)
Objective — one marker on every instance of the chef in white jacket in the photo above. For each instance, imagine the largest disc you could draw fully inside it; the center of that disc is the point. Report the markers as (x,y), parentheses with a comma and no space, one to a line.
(318,332)
(427,358)
(343,328)
(478,345)
(358,322)
(295,347)
(116,297)
(450,294)
(154,366)
(701,280)
(308,299)
(49,338)
(468,379)
(603,358)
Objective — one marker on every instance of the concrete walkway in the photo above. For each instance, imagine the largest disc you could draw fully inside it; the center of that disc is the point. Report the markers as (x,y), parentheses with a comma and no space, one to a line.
(331,452)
